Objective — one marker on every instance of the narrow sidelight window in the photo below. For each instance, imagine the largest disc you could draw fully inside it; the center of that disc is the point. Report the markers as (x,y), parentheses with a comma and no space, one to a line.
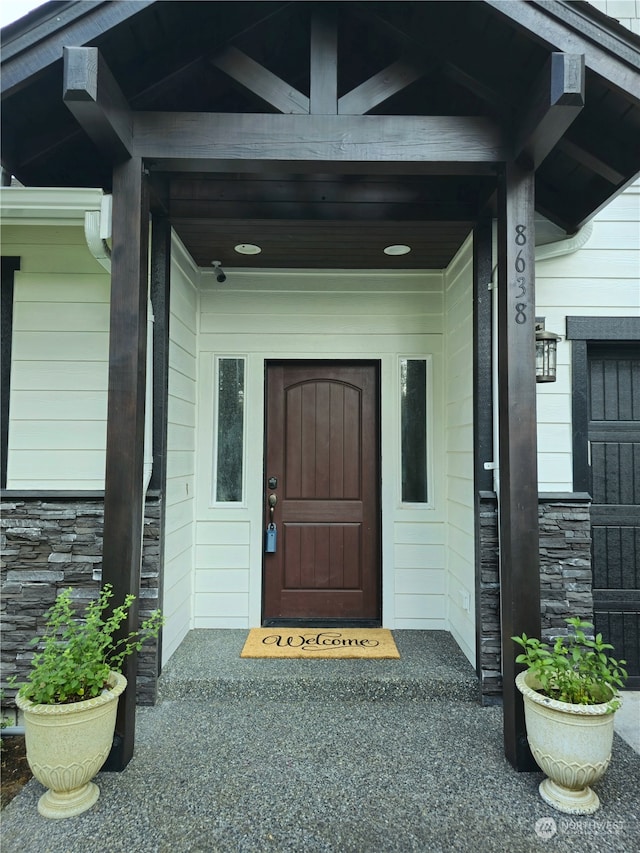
(230,376)
(413,423)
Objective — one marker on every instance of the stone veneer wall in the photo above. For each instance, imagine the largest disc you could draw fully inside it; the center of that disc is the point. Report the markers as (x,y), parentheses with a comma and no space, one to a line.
(565,575)
(52,543)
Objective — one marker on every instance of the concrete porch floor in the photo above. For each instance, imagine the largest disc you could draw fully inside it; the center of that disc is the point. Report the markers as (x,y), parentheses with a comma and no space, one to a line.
(327,756)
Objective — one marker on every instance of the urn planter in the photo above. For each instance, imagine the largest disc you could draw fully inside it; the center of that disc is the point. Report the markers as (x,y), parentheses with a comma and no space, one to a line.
(570,743)
(67,744)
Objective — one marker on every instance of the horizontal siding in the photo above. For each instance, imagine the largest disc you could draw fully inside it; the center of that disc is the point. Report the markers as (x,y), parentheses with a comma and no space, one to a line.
(295,345)
(602,279)
(59,365)
(43,316)
(302,314)
(222,580)
(60,375)
(222,556)
(181,442)
(56,406)
(419,556)
(54,346)
(82,288)
(459,565)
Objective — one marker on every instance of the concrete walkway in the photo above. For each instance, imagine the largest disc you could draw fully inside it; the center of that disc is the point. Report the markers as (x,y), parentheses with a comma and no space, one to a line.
(331,756)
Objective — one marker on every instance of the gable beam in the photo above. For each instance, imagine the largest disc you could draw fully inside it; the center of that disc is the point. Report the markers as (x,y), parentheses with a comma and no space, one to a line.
(488,94)
(220,141)
(262,82)
(324,61)
(437,56)
(95,99)
(606,54)
(380,87)
(556,100)
(80,23)
(591,161)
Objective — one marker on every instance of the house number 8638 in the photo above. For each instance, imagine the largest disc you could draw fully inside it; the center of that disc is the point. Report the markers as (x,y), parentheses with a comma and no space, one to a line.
(521,282)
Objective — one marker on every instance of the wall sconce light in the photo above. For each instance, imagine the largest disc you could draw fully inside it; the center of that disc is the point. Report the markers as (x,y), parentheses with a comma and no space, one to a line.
(546,350)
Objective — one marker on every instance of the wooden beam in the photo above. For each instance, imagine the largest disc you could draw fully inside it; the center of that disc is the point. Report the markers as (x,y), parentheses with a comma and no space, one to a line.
(518,500)
(324,61)
(262,82)
(95,99)
(198,211)
(160,300)
(379,88)
(483,353)
(208,141)
(437,55)
(186,56)
(556,100)
(606,54)
(494,99)
(42,46)
(591,161)
(9,265)
(483,452)
(123,499)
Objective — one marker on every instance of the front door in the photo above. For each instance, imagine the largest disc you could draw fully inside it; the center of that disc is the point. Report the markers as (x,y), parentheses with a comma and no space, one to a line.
(322,452)
(614,436)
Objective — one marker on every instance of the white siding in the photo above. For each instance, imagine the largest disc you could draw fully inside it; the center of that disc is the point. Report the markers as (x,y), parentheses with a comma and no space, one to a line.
(460,565)
(179,536)
(602,279)
(303,314)
(59,369)
(627,12)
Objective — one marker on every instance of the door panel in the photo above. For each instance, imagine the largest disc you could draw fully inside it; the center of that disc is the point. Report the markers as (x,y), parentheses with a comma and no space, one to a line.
(323,450)
(614,437)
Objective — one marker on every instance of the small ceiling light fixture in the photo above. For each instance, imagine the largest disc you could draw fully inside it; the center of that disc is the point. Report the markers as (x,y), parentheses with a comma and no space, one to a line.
(247,249)
(546,351)
(217,268)
(397,249)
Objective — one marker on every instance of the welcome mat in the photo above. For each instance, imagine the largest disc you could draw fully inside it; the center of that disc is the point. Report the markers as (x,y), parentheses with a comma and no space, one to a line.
(320,643)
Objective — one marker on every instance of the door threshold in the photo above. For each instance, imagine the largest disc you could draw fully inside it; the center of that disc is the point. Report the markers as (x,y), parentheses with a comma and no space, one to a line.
(321,623)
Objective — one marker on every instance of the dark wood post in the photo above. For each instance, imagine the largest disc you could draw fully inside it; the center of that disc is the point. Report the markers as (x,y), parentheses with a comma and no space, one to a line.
(518,501)
(160,300)
(482,397)
(9,267)
(123,501)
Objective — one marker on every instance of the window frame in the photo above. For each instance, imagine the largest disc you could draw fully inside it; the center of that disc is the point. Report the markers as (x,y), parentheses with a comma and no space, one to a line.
(429,503)
(214,502)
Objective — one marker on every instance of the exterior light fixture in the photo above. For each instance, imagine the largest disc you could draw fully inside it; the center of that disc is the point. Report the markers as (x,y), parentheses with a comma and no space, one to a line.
(397,249)
(247,249)
(546,349)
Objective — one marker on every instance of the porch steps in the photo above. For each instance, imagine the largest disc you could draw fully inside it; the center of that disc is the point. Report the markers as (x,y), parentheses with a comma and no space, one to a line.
(207,665)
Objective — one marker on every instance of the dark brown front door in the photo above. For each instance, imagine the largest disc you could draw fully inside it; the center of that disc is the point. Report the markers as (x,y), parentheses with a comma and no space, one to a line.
(323,450)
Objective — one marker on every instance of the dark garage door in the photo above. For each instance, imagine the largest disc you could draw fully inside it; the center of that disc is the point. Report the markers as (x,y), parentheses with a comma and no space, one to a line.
(614,438)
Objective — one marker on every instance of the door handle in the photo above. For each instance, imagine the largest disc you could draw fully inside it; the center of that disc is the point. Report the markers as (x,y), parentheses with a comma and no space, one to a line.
(273,500)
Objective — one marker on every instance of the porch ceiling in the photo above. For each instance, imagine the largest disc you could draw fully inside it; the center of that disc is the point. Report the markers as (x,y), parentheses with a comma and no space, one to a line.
(462,59)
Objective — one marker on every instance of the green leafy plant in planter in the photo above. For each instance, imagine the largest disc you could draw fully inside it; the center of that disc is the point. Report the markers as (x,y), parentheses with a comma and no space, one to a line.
(576,669)
(77,655)
(71,696)
(570,694)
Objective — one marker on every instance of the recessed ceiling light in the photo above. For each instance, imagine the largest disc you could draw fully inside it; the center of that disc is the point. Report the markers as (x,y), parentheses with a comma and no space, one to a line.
(398,249)
(247,249)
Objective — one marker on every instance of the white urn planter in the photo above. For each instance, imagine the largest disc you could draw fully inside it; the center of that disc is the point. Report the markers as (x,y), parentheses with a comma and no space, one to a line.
(570,743)
(67,744)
